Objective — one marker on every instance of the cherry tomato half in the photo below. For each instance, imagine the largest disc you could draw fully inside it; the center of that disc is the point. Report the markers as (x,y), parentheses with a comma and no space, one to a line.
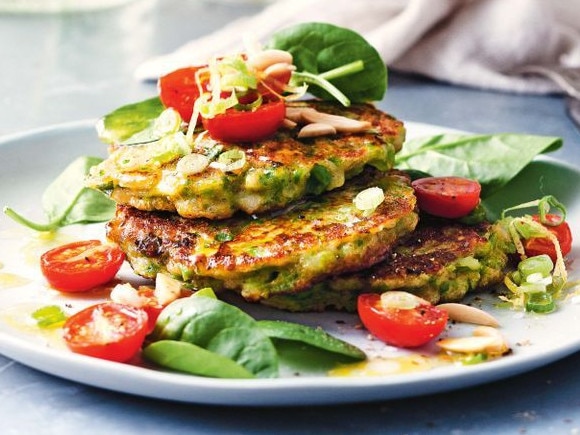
(272,86)
(247,126)
(541,245)
(110,331)
(179,90)
(448,197)
(81,266)
(402,327)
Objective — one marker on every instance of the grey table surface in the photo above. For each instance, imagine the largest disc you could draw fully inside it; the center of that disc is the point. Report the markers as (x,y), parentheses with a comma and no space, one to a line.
(58,68)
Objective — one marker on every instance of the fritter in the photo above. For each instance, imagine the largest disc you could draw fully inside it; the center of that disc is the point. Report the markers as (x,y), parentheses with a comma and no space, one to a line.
(441,261)
(285,252)
(254,178)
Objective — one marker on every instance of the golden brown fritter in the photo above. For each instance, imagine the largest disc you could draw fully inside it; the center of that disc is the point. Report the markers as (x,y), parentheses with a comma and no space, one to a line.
(275,172)
(441,261)
(284,252)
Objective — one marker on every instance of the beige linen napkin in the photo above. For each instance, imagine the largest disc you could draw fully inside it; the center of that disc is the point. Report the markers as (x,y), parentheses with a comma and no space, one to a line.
(466,42)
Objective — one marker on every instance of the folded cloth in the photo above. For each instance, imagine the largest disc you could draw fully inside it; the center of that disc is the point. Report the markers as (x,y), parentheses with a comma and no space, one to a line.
(474,43)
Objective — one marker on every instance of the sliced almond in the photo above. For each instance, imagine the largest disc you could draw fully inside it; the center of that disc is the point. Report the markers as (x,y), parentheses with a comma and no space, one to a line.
(467,344)
(500,345)
(278,70)
(484,339)
(295,113)
(288,123)
(468,314)
(263,59)
(398,299)
(316,129)
(340,123)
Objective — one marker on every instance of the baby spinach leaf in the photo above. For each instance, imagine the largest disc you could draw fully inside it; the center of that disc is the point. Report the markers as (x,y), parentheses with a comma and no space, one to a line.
(67,201)
(130,123)
(492,159)
(189,358)
(249,347)
(316,337)
(319,48)
(212,324)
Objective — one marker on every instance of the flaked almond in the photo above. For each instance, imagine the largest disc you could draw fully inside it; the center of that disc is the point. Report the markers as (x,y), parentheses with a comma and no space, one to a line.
(316,129)
(288,123)
(484,339)
(295,113)
(265,58)
(468,314)
(500,345)
(340,123)
(467,344)
(278,70)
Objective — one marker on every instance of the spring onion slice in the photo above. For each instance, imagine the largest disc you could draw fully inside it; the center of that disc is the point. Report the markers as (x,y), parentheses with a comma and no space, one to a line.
(369,199)
(401,300)
(538,281)
(231,160)
(168,122)
(540,302)
(49,317)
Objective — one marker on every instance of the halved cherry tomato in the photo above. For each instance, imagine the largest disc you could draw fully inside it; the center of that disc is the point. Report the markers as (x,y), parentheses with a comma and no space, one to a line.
(272,86)
(402,327)
(247,126)
(81,266)
(179,90)
(448,197)
(110,331)
(541,245)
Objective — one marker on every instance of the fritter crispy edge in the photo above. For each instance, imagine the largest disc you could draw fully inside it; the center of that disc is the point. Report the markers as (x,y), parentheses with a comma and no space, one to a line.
(440,261)
(277,172)
(288,252)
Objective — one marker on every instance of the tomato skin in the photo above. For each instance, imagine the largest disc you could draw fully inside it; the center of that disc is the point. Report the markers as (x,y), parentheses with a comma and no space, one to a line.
(274,85)
(81,266)
(447,197)
(400,327)
(247,126)
(538,245)
(179,90)
(127,330)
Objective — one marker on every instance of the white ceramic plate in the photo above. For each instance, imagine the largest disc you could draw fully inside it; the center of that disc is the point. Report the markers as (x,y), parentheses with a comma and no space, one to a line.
(31,161)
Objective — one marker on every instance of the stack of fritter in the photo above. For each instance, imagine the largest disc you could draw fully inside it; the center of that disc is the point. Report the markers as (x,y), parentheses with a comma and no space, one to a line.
(282,228)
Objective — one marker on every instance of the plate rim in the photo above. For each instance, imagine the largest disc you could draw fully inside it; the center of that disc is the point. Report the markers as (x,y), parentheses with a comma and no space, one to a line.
(244,392)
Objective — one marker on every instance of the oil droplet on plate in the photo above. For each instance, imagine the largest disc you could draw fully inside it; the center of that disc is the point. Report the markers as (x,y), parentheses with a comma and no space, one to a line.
(19,318)
(381,366)
(11,280)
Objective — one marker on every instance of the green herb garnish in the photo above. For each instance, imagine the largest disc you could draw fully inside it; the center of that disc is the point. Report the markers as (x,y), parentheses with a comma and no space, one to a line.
(49,317)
